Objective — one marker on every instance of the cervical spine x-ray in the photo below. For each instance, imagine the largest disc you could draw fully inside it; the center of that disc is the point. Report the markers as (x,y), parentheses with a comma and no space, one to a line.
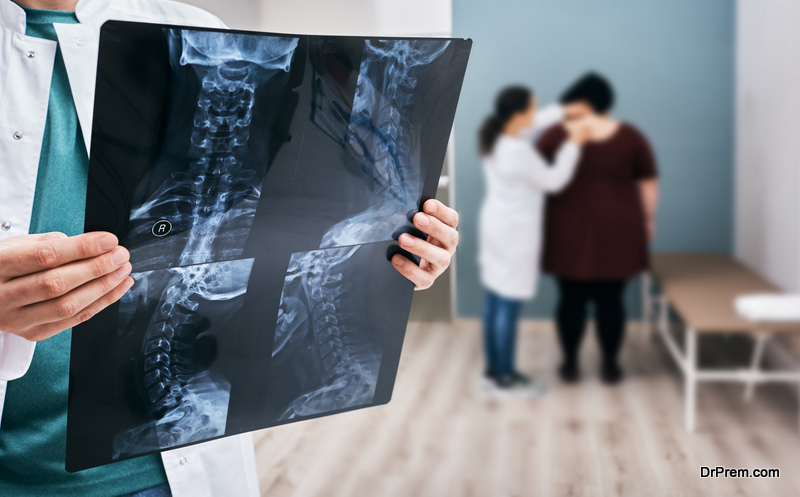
(259,182)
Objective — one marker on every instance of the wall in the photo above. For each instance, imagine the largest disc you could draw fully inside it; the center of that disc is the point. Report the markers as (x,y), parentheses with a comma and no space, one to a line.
(358,17)
(673,66)
(237,14)
(768,139)
(336,17)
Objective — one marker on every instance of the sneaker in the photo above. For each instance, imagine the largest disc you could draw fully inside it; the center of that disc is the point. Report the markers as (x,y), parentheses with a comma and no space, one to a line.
(519,385)
(520,378)
(569,372)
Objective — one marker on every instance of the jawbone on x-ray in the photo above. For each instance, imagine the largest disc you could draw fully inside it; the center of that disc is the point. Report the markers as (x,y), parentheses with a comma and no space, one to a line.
(259,182)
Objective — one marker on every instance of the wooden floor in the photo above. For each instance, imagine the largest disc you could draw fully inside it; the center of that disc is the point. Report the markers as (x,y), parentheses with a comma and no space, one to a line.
(443,434)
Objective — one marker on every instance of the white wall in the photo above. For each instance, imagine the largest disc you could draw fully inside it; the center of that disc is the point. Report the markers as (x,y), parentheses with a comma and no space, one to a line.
(336,17)
(768,139)
(238,14)
(358,17)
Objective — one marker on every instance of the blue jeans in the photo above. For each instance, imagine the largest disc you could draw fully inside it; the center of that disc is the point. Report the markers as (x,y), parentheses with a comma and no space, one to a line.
(500,333)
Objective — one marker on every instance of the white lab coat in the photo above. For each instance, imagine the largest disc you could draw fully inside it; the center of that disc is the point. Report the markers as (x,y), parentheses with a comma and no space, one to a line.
(221,467)
(517,179)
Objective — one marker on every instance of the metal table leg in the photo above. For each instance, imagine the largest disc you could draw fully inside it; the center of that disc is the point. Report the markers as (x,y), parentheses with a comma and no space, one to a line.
(690,379)
(755,363)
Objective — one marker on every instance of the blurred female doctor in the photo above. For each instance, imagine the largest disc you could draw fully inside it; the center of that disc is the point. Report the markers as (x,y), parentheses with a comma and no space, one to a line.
(510,231)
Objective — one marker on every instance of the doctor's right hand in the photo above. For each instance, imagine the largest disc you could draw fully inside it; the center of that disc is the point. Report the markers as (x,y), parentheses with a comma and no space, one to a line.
(579,131)
(50,282)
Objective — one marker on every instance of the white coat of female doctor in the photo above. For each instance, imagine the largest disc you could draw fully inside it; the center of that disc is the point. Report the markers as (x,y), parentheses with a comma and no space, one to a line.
(517,179)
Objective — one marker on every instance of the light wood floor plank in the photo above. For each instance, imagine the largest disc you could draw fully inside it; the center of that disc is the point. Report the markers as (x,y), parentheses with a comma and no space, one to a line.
(445,434)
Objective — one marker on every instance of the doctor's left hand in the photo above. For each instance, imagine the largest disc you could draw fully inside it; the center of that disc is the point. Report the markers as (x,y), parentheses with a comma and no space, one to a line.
(439,222)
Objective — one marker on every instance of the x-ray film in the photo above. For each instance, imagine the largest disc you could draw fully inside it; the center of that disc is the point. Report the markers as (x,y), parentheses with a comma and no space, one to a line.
(259,182)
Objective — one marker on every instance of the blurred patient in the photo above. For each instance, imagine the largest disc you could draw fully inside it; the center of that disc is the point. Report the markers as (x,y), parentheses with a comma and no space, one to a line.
(517,179)
(597,230)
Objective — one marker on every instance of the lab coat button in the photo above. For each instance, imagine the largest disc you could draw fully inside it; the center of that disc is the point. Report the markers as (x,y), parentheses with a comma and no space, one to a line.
(6,226)
(17,135)
(30,55)
(182,460)
(80,42)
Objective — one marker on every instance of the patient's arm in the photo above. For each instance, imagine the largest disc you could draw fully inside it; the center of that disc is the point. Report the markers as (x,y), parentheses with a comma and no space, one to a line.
(648,191)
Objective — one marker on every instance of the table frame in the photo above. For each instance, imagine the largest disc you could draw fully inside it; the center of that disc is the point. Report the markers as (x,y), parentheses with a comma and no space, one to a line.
(655,314)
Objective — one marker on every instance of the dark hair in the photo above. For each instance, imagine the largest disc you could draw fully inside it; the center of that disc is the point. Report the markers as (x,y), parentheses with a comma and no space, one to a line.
(593,89)
(510,101)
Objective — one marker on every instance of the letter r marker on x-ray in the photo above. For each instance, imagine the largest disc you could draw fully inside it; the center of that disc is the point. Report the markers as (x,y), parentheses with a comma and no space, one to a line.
(162,228)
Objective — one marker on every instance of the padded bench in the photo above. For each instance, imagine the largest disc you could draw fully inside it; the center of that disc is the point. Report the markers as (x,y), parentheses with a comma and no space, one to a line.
(701,289)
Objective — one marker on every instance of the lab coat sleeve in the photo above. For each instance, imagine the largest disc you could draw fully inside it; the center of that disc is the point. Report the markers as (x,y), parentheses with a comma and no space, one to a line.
(16,354)
(545,118)
(553,178)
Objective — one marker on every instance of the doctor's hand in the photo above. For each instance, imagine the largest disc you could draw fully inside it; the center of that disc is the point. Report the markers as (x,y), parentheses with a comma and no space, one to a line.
(50,282)
(579,131)
(439,222)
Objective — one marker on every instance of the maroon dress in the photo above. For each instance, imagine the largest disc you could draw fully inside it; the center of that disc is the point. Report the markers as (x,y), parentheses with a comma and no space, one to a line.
(595,228)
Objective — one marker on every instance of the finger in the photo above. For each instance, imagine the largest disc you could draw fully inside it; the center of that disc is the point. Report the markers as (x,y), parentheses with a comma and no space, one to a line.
(44,331)
(440,211)
(69,305)
(26,240)
(53,283)
(430,225)
(436,256)
(53,235)
(421,279)
(53,251)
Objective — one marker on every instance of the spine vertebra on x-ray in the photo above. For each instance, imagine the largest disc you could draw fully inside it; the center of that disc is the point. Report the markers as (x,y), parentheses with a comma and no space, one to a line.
(321,333)
(213,203)
(335,360)
(217,155)
(380,136)
(184,400)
